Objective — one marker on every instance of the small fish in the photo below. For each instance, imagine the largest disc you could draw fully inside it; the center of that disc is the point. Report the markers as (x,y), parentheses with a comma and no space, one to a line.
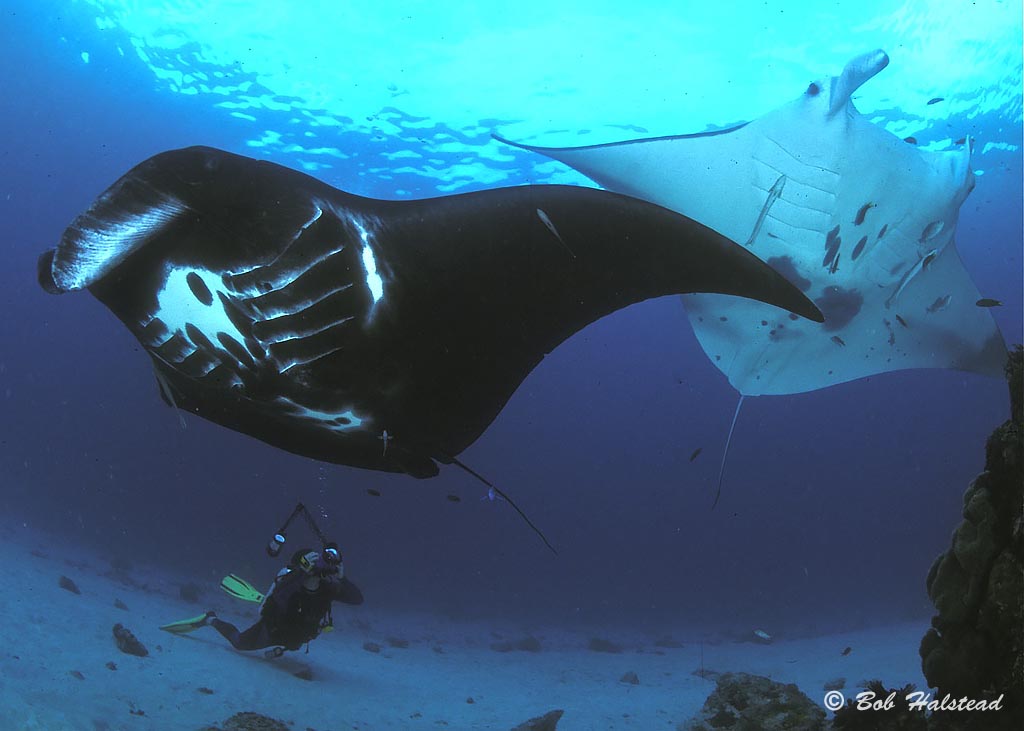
(696,453)
(371,491)
(935,100)
(762,635)
(830,256)
(385,437)
(859,247)
(901,321)
(940,303)
(838,341)
(921,265)
(492,496)
(911,140)
(930,232)
(859,218)
(773,195)
(835,264)
(961,141)
(986,302)
(831,237)
(846,652)
(551,227)
(832,243)
(454,499)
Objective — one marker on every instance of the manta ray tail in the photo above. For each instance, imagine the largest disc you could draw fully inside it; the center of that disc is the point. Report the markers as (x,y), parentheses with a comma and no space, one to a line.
(510,501)
(725,454)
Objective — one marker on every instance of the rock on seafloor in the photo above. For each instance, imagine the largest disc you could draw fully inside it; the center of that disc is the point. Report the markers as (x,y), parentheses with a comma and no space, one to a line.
(127,642)
(742,701)
(547,722)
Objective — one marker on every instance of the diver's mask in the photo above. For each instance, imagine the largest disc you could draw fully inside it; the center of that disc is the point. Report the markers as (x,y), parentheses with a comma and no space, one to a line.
(332,557)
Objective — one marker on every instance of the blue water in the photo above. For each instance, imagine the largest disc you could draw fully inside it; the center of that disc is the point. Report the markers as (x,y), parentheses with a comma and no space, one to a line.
(836,502)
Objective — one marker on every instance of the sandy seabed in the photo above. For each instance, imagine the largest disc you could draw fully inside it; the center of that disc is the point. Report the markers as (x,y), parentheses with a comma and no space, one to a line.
(60,668)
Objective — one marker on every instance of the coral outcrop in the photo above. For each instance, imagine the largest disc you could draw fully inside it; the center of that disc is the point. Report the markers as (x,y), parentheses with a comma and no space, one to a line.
(741,701)
(975,647)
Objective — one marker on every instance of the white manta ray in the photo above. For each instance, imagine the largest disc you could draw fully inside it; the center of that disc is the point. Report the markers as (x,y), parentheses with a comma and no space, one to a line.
(862,221)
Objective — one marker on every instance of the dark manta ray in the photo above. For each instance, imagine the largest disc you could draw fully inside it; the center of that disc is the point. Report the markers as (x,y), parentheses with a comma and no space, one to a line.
(379,334)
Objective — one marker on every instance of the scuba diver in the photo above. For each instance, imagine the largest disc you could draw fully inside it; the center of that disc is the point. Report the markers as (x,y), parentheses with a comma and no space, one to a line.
(296,608)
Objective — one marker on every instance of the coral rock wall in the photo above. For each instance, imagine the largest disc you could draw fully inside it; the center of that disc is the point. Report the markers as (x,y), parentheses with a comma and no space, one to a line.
(975,647)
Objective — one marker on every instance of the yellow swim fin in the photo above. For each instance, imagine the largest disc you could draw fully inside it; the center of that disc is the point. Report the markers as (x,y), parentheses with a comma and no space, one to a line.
(239,588)
(184,626)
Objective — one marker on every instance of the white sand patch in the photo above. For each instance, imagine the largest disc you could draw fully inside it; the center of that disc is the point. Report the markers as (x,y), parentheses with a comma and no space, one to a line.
(50,633)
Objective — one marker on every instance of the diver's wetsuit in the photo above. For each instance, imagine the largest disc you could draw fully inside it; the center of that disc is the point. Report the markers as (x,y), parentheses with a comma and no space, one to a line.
(291,615)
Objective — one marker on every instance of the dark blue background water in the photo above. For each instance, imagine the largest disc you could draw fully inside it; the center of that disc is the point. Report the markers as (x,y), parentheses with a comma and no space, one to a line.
(834,506)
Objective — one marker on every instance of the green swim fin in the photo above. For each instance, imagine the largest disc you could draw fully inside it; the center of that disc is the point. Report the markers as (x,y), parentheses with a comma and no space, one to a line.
(184,626)
(239,588)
